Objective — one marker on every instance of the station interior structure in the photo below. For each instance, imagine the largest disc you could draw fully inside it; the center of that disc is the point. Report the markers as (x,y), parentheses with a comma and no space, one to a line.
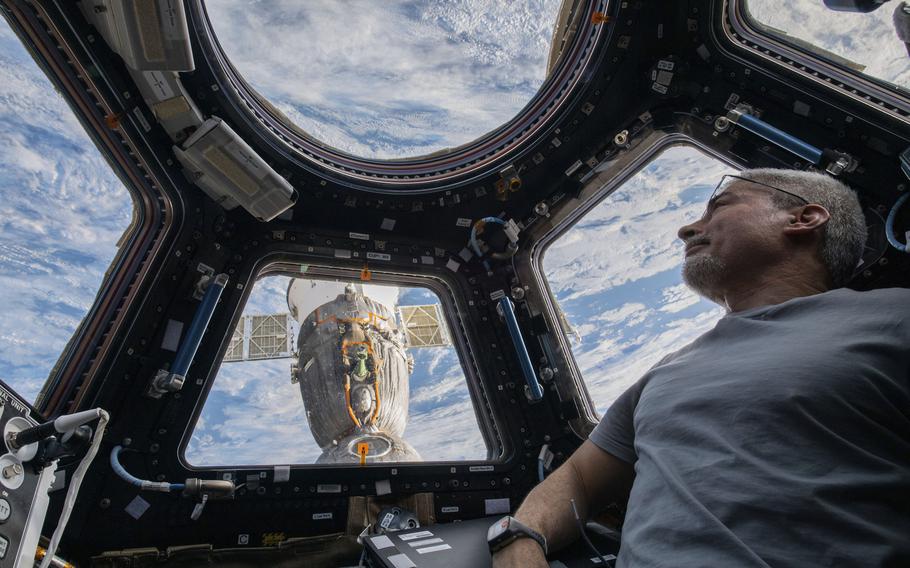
(228,192)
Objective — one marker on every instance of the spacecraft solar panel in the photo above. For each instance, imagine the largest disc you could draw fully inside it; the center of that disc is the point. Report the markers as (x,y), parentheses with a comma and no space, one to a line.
(235,347)
(424,325)
(261,337)
(268,336)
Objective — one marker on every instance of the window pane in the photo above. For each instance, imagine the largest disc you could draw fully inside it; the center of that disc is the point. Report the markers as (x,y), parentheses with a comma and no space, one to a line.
(62,211)
(866,43)
(374,365)
(624,301)
(390,79)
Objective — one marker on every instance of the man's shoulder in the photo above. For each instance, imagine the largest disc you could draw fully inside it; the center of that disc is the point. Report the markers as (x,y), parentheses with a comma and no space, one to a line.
(896,297)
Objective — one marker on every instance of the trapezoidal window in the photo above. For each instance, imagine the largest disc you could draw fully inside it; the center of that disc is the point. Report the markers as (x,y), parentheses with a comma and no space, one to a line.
(322,371)
(62,213)
(393,79)
(863,43)
(622,302)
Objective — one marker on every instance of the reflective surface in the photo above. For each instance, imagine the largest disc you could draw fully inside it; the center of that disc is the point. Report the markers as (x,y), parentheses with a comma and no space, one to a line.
(866,43)
(390,79)
(62,211)
(368,372)
(624,301)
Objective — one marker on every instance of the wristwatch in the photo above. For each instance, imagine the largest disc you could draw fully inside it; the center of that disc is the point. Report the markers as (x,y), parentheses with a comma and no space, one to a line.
(504,531)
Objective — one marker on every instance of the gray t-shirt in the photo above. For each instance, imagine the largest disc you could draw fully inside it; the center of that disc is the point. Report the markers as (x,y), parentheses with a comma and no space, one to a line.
(779,438)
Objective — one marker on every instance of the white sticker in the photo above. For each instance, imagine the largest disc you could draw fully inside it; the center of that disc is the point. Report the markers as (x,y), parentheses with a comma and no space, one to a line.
(497,294)
(137,507)
(659,88)
(424,542)
(383,487)
(453,265)
(378,256)
(159,84)
(415,535)
(322,516)
(474,468)
(574,167)
(496,506)
(328,488)
(436,548)
(462,222)
(168,22)
(382,541)
(387,520)
(665,65)
(340,253)
(282,473)
(243,539)
(171,339)
(387,224)
(401,561)
(137,112)
(426,259)
(466,254)
(359,236)
(449,509)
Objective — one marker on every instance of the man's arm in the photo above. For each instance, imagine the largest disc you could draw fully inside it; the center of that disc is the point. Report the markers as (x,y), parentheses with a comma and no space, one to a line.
(591,476)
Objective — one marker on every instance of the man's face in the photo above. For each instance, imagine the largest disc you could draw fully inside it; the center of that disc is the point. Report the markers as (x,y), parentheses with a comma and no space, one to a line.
(738,235)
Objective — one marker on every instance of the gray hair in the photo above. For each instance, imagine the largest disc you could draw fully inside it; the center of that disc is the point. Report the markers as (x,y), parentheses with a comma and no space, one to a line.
(844,236)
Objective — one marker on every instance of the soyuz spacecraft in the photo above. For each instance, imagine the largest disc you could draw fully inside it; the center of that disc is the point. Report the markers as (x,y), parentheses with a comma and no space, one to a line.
(351,361)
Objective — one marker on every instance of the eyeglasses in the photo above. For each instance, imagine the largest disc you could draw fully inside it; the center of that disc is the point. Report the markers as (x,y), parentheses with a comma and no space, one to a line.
(729,179)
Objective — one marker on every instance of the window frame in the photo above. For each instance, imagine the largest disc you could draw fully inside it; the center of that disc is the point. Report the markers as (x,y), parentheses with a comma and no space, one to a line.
(488,422)
(614,180)
(739,29)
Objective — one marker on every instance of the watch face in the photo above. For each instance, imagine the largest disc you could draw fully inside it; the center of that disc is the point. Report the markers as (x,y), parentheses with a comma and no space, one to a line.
(497,529)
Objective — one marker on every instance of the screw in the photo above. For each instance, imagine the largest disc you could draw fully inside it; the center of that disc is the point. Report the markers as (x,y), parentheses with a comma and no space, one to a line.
(12,470)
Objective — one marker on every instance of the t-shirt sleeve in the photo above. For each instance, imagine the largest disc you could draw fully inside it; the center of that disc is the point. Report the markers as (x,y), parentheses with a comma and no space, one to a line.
(615,433)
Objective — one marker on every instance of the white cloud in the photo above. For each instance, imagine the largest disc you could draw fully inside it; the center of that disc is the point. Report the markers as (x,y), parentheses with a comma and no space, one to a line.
(867,39)
(391,79)
(677,298)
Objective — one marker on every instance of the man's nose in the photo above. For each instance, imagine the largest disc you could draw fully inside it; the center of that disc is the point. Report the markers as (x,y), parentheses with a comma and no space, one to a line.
(686,232)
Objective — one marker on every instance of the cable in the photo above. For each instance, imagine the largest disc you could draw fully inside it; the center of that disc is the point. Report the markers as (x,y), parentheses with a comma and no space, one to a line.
(75,483)
(584,535)
(143,484)
(889,225)
(541,459)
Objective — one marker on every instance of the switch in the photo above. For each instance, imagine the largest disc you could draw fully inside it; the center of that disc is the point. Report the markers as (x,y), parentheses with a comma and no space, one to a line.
(4,545)
(5,510)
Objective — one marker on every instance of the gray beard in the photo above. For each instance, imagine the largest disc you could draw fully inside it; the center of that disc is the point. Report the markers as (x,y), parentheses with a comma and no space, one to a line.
(703,274)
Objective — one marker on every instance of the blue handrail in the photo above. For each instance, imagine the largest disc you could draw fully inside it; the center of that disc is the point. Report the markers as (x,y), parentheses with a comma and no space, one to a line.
(200,323)
(777,136)
(527,368)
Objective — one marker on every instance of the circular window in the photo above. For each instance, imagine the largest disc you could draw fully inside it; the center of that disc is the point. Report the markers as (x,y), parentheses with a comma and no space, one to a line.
(392,79)
(402,89)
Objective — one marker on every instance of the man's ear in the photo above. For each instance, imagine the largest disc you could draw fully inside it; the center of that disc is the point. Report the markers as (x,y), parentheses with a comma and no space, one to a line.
(805,219)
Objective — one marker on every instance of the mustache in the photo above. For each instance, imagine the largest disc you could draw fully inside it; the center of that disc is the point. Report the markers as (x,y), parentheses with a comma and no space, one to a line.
(695,241)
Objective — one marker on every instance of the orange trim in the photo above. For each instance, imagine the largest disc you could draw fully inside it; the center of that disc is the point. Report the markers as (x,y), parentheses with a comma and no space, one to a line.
(345,344)
(376,409)
(371,319)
